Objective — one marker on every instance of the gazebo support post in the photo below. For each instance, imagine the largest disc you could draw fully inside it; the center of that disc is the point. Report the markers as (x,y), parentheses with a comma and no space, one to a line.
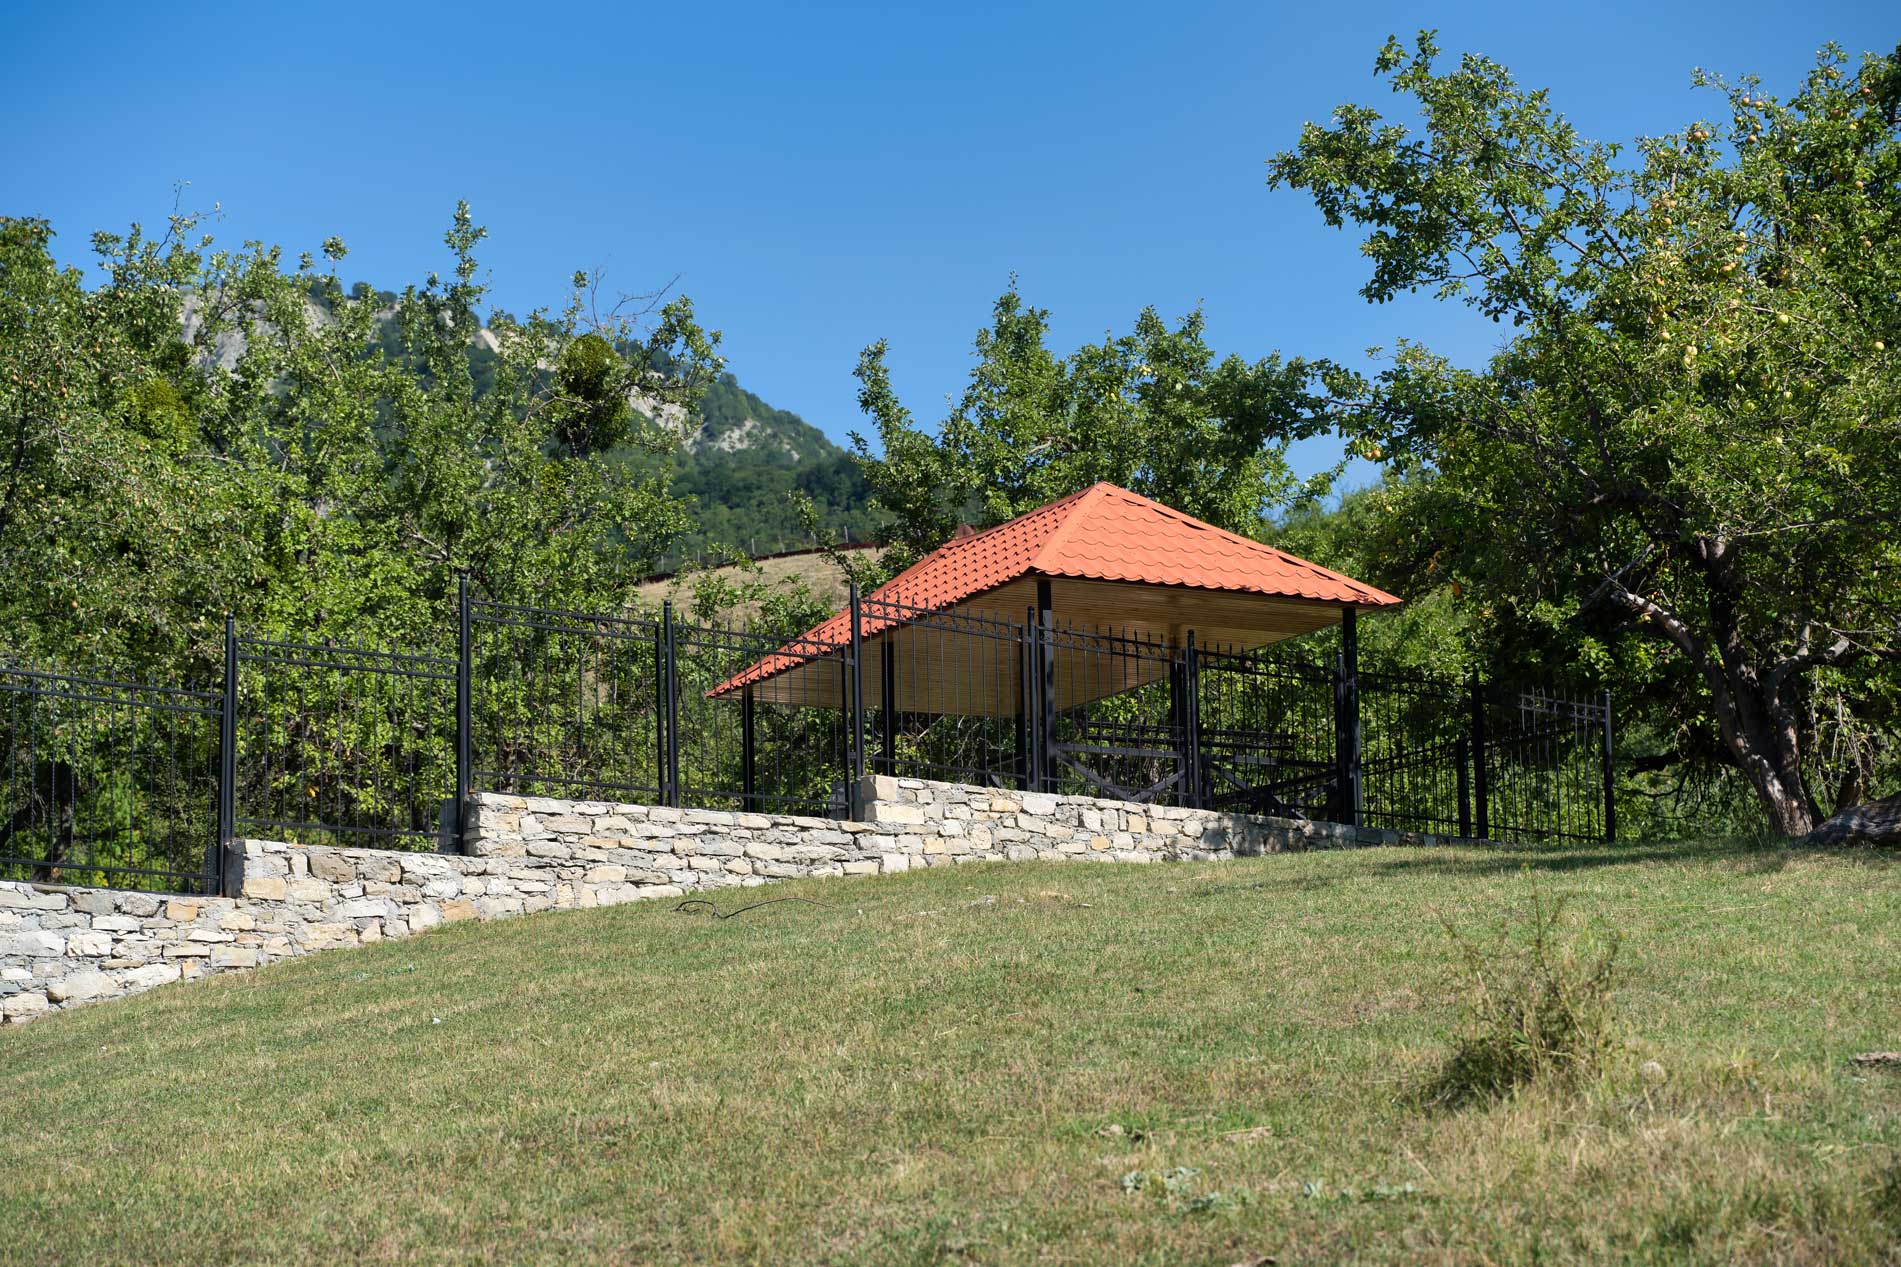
(748,752)
(888,701)
(1046,685)
(1184,721)
(1191,681)
(855,715)
(1347,721)
(1026,712)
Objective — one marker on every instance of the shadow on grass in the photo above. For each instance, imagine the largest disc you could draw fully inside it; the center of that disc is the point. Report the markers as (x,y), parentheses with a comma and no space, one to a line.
(1750,857)
(1483,860)
(1744,856)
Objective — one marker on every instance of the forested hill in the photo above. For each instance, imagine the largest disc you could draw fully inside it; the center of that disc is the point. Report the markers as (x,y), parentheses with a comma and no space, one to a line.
(742,462)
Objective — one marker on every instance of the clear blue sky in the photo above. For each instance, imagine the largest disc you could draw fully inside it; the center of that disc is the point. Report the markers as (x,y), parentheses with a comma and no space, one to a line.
(818,175)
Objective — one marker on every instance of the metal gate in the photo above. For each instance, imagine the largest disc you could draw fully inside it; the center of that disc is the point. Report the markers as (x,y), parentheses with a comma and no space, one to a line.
(1267,724)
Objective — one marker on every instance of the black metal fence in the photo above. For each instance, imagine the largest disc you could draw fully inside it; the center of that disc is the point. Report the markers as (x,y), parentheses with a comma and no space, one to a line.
(567,704)
(148,786)
(107,783)
(340,744)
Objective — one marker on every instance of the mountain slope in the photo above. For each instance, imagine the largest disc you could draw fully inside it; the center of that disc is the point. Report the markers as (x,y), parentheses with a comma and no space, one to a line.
(747,464)
(744,465)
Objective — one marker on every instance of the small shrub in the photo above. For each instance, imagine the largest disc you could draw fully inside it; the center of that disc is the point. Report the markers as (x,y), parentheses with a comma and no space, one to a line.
(1533,1012)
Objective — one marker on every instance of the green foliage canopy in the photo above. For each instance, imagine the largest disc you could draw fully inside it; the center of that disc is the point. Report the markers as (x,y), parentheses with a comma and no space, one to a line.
(211,430)
(1153,410)
(1682,460)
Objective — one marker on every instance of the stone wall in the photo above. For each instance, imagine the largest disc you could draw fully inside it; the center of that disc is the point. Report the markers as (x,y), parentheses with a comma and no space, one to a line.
(60,946)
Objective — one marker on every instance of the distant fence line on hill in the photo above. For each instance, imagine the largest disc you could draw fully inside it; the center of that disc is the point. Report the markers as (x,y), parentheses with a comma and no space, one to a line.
(668,566)
(150,787)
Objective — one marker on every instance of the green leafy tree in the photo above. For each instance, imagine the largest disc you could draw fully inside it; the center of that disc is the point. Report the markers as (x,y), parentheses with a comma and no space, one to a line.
(210,429)
(1682,460)
(117,520)
(1153,410)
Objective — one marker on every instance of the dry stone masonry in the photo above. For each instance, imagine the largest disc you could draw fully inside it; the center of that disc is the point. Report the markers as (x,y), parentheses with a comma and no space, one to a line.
(60,946)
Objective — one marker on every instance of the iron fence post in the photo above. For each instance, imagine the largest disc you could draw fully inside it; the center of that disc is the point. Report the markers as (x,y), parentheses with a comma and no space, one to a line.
(748,758)
(670,712)
(1481,782)
(1027,755)
(464,752)
(660,709)
(230,853)
(888,701)
(1610,775)
(1045,687)
(856,690)
(1191,702)
(1462,756)
(1347,737)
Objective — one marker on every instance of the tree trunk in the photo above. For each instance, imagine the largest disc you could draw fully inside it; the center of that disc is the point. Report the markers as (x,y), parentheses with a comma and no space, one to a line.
(1786,802)
(1766,748)
(1751,713)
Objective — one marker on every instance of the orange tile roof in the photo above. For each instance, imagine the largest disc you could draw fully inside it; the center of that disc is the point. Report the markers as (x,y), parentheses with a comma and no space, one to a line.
(1103,533)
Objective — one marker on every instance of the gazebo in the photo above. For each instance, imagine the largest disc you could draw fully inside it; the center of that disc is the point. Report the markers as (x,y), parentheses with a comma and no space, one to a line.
(1098,571)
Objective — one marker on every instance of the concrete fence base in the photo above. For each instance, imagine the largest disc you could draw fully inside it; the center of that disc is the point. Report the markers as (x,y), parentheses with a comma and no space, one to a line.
(61,945)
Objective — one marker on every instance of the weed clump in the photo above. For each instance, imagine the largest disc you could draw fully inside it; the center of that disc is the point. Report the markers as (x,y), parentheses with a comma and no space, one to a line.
(1535,1010)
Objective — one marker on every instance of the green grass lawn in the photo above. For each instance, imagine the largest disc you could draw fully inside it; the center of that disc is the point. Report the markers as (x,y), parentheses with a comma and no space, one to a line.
(967,1065)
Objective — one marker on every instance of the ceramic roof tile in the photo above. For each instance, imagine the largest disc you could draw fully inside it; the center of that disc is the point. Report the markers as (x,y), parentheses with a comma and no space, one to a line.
(1102,533)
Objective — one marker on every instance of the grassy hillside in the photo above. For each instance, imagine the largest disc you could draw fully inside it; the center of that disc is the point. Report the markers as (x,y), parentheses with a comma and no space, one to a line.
(968,1066)
(814,570)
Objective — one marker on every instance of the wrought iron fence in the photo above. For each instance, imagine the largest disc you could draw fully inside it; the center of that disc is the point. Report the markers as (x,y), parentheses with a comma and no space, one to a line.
(1113,715)
(127,783)
(945,694)
(1266,731)
(567,704)
(1548,769)
(344,745)
(570,704)
(750,749)
(108,783)
(1415,752)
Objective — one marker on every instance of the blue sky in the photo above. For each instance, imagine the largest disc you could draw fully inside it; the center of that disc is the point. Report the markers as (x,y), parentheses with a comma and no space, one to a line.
(819,176)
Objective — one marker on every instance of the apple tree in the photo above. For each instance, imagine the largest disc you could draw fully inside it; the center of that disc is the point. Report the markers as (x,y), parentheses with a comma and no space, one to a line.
(1682,457)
